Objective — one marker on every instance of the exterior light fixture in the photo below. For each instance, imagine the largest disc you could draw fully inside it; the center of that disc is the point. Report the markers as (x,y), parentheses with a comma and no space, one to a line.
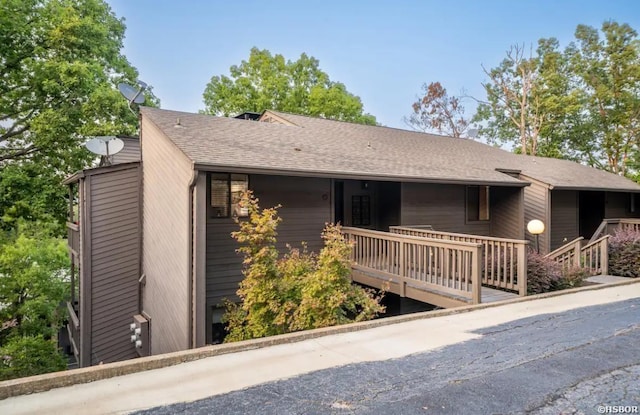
(536,227)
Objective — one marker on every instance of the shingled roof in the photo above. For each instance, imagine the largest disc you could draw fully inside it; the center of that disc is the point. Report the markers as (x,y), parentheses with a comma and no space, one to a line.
(320,147)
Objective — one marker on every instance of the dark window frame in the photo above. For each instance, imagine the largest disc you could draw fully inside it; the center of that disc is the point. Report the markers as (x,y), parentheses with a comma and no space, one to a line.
(360,210)
(474,212)
(634,203)
(213,212)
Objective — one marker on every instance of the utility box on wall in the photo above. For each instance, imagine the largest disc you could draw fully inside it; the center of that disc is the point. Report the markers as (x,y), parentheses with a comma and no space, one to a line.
(140,334)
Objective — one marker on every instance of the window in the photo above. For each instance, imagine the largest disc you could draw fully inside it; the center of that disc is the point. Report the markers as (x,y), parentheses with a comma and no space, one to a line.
(360,211)
(477,203)
(226,192)
(74,208)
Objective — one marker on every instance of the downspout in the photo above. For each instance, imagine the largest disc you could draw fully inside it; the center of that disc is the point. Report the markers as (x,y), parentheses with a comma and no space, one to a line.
(192,185)
(142,281)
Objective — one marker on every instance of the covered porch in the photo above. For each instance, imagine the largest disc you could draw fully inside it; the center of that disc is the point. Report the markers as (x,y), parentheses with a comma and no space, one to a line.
(491,212)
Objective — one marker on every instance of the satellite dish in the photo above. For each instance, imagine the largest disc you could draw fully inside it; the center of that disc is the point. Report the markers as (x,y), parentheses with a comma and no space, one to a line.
(105,146)
(134,96)
(472,133)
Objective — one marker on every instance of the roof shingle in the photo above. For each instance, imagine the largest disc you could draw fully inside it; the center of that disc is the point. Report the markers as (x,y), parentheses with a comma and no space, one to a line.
(340,149)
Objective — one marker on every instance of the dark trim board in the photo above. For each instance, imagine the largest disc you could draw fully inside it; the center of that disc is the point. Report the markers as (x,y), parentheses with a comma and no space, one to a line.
(348,176)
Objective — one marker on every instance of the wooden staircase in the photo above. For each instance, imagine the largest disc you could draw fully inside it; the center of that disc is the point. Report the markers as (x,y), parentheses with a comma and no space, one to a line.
(593,255)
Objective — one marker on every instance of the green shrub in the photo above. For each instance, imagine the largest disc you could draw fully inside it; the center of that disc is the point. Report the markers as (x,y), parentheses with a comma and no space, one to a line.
(298,291)
(624,253)
(328,296)
(29,355)
(572,277)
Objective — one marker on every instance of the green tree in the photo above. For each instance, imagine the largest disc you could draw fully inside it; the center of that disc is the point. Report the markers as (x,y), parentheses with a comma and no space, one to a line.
(437,111)
(33,280)
(529,99)
(267,81)
(298,291)
(33,285)
(608,72)
(30,191)
(60,62)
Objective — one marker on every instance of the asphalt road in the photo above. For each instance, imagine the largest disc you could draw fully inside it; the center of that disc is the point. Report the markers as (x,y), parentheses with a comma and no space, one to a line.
(586,360)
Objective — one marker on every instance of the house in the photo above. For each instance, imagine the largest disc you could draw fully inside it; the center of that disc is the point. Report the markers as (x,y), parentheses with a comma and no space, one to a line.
(194,167)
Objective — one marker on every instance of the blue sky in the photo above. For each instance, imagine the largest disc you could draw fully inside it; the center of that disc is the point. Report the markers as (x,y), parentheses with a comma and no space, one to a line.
(383,51)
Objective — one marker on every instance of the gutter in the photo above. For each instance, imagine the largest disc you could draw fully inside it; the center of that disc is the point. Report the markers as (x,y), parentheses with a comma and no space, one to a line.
(191,313)
(356,176)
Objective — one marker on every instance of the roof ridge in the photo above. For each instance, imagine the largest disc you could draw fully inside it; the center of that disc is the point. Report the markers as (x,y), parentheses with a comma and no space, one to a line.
(284,113)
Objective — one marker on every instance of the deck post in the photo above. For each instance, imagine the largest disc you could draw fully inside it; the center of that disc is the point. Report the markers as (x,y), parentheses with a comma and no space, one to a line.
(522,269)
(604,256)
(402,264)
(577,248)
(403,268)
(476,283)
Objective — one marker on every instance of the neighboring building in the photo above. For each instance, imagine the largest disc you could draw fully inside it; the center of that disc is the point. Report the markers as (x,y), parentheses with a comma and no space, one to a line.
(104,241)
(130,152)
(194,167)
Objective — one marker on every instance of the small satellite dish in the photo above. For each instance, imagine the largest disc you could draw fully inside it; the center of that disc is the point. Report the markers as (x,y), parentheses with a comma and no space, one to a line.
(132,95)
(472,133)
(105,145)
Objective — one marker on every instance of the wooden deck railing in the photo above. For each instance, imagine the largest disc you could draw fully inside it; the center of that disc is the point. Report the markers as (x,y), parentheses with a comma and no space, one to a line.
(594,256)
(73,238)
(568,255)
(74,329)
(631,224)
(608,226)
(504,261)
(445,266)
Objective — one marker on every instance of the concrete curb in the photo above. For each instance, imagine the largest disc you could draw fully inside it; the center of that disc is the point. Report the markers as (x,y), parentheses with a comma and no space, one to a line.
(41,383)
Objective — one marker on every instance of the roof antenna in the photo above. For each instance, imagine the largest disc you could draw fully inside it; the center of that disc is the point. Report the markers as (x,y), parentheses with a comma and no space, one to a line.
(105,147)
(132,95)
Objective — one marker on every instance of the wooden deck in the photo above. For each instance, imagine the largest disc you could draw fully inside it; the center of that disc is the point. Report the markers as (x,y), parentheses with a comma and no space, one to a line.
(491,295)
(443,272)
(428,294)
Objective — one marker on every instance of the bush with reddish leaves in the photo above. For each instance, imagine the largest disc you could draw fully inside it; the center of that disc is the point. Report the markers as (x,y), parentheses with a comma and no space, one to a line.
(624,253)
(545,274)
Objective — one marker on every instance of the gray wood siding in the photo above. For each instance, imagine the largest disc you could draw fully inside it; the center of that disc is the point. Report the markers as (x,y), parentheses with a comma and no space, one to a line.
(130,152)
(306,207)
(165,256)
(441,206)
(507,212)
(224,264)
(536,202)
(564,217)
(618,205)
(115,262)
